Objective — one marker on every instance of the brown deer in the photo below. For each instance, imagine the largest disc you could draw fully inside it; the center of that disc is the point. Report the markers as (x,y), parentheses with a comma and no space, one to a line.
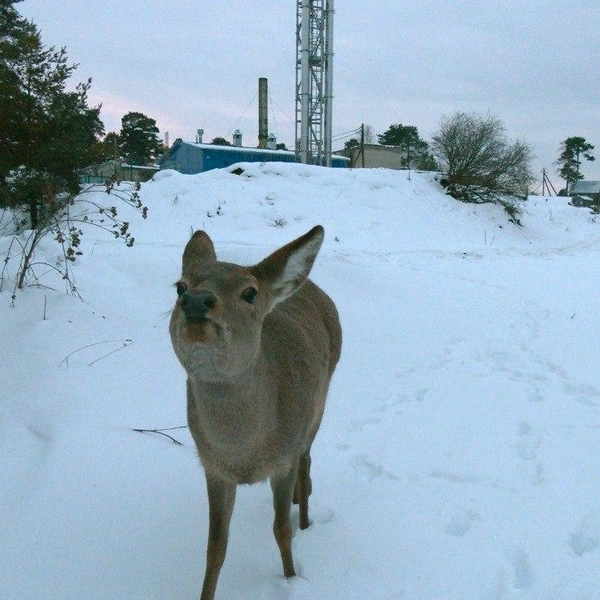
(259,345)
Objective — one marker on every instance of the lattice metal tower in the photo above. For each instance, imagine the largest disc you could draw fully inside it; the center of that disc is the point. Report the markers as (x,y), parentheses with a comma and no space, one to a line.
(314,70)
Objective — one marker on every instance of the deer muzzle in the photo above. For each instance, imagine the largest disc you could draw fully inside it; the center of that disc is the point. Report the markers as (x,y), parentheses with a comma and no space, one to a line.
(197,306)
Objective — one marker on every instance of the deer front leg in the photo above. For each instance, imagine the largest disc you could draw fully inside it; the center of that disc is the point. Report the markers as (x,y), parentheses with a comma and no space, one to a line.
(221,498)
(283,489)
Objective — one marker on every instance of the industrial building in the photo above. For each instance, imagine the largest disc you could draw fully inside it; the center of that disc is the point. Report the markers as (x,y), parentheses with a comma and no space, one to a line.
(190,158)
(314,95)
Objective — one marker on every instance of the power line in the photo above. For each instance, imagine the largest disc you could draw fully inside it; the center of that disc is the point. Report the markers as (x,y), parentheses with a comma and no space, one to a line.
(281,109)
(243,114)
(340,136)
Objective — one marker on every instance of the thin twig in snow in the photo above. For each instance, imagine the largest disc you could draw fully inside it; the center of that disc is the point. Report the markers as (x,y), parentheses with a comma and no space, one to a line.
(124,343)
(162,432)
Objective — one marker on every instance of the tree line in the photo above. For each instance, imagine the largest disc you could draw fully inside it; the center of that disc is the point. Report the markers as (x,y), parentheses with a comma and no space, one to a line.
(51,133)
(476,157)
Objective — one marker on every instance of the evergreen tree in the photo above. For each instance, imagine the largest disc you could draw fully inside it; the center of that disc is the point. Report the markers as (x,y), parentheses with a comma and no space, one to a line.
(109,147)
(220,141)
(138,140)
(48,134)
(350,145)
(572,151)
(415,151)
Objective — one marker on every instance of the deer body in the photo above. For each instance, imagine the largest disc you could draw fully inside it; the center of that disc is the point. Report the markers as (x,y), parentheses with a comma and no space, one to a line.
(259,345)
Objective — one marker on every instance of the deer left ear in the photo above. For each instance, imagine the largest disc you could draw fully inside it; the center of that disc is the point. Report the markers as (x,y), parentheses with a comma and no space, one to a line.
(286,269)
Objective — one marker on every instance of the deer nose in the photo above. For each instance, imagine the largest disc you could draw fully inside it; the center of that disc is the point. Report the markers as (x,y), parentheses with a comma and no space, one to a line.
(197,305)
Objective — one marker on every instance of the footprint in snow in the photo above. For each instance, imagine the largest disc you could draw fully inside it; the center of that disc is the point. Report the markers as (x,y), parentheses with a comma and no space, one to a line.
(461,521)
(358,424)
(528,443)
(322,515)
(370,469)
(586,538)
(523,576)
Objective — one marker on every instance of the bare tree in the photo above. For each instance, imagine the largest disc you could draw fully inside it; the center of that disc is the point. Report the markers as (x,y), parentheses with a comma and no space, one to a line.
(473,150)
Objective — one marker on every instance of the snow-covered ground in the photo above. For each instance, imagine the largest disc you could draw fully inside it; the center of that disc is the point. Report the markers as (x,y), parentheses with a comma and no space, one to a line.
(459,456)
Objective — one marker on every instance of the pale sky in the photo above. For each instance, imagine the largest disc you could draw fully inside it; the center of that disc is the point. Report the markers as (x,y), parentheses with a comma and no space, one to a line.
(193,64)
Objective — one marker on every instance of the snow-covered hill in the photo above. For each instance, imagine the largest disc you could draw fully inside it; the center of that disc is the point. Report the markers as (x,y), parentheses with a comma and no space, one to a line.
(458,457)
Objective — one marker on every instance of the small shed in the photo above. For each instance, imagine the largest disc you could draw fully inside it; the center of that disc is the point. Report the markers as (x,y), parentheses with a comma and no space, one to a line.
(116,169)
(584,189)
(190,158)
(373,156)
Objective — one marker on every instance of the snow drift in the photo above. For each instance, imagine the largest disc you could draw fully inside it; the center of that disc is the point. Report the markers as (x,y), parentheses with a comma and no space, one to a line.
(458,456)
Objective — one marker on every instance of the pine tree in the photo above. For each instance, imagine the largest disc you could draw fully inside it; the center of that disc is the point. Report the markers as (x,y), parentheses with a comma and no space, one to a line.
(350,145)
(220,141)
(415,151)
(48,134)
(108,148)
(572,151)
(138,140)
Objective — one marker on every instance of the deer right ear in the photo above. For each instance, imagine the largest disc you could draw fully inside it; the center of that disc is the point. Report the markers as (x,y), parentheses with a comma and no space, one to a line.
(198,251)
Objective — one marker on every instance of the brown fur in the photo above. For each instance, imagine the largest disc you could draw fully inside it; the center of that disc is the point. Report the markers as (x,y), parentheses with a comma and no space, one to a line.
(258,375)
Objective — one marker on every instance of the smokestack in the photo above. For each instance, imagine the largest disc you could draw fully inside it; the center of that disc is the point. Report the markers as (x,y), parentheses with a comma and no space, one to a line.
(237,138)
(199,134)
(167,139)
(263,112)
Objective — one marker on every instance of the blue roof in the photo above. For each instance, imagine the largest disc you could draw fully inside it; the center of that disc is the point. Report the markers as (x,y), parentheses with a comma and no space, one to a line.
(190,158)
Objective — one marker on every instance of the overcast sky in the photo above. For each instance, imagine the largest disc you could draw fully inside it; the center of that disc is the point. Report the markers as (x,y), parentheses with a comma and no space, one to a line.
(193,64)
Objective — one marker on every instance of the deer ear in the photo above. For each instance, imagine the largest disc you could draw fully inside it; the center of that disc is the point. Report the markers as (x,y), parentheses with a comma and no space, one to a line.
(286,269)
(198,251)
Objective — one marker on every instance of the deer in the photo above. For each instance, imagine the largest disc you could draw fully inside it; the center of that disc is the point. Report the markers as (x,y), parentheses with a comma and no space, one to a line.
(259,345)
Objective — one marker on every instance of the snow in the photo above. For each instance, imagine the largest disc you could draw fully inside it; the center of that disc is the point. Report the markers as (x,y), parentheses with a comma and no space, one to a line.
(458,457)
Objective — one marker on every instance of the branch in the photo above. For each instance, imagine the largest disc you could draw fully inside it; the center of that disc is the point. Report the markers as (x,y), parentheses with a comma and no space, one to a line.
(162,432)
(124,343)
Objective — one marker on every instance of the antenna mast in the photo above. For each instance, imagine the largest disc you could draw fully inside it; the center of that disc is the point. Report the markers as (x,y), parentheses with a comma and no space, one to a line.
(314,72)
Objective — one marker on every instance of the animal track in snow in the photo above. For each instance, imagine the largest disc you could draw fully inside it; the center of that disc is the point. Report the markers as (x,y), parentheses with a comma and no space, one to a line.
(322,515)
(358,424)
(367,467)
(528,443)
(583,393)
(523,577)
(527,450)
(457,478)
(461,521)
(586,538)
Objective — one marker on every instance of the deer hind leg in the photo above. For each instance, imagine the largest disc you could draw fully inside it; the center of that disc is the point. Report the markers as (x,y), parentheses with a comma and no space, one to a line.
(303,488)
(283,488)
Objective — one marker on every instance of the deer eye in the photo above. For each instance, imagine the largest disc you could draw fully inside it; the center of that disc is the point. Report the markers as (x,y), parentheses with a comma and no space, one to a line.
(181,287)
(249,295)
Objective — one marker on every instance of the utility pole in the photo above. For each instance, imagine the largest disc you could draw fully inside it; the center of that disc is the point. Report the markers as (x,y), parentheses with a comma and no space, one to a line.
(547,184)
(362,145)
(314,80)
